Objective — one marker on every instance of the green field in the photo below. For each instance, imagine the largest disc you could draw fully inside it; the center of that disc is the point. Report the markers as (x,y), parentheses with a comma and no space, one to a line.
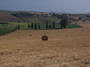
(7,28)
(25,26)
(10,27)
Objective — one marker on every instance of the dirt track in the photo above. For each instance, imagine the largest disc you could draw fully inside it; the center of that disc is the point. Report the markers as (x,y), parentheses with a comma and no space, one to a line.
(65,48)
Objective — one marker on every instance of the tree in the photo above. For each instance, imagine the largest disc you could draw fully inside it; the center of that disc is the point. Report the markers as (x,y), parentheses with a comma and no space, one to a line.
(53,25)
(57,15)
(39,26)
(64,21)
(32,26)
(47,25)
(88,16)
(80,18)
(50,26)
(29,26)
(35,26)
(18,27)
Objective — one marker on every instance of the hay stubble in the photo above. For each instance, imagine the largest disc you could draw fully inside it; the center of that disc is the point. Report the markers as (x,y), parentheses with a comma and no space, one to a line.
(65,48)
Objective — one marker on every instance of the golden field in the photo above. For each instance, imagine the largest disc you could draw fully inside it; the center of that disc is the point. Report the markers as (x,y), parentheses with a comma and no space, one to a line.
(65,48)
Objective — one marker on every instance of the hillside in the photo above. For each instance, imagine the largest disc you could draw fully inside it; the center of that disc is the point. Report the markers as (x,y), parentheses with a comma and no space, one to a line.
(39,17)
(32,17)
(7,17)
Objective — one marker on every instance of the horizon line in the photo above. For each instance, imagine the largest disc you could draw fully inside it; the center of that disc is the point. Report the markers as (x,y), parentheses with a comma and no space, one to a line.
(47,11)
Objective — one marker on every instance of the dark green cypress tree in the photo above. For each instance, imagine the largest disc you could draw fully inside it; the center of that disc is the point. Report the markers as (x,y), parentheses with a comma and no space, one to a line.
(31,25)
(39,26)
(64,21)
(35,26)
(18,27)
(54,25)
(50,26)
(46,25)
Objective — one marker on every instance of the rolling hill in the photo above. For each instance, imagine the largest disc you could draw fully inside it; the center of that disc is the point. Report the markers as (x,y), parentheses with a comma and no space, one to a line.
(7,17)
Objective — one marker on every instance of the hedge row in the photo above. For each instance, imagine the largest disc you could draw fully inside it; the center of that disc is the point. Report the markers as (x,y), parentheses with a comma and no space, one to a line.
(42,26)
(8,28)
(5,29)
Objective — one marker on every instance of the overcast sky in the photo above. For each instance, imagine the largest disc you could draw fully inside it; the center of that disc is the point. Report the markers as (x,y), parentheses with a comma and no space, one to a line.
(71,6)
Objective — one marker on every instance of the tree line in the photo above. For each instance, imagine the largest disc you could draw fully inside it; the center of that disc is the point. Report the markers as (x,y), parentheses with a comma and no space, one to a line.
(63,24)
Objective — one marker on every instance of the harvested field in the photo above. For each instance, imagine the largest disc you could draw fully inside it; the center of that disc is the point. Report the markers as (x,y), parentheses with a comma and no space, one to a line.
(64,48)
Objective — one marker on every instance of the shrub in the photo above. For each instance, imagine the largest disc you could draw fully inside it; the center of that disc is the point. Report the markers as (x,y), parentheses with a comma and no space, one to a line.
(64,21)
(7,29)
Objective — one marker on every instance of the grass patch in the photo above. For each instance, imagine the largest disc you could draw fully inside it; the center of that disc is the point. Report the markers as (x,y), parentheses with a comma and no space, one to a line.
(10,27)
(73,26)
(7,28)
(24,26)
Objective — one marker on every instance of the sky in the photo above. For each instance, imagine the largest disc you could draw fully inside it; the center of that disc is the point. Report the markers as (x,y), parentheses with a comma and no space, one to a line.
(63,6)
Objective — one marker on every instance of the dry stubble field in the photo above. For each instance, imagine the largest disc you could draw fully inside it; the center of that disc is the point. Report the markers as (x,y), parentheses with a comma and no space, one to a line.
(65,48)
